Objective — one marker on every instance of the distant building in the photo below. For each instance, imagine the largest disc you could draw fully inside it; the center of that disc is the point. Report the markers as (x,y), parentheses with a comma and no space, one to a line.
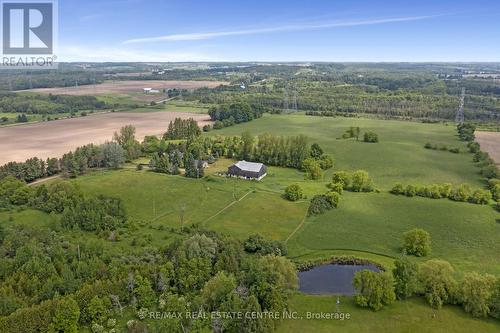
(203,164)
(150,91)
(158,72)
(247,170)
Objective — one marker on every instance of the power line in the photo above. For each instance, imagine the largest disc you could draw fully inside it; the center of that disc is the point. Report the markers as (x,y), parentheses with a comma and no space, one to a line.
(460,118)
(30,82)
(286,99)
(10,82)
(295,107)
(286,106)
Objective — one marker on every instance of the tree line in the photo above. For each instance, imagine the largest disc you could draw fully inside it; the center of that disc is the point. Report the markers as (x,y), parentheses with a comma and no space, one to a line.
(182,129)
(48,104)
(79,211)
(225,115)
(112,155)
(478,294)
(462,192)
(487,165)
(71,164)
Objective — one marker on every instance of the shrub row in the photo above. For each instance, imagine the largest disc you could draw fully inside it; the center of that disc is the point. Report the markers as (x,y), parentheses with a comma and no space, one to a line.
(358,181)
(331,114)
(323,202)
(488,167)
(442,147)
(494,187)
(463,192)
(466,131)
(370,137)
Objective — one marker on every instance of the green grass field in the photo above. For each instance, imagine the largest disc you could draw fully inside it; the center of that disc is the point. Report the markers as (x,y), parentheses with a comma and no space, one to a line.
(399,157)
(467,235)
(411,316)
(157,200)
(130,102)
(150,196)
(11,117)
(172,106)
(365,225)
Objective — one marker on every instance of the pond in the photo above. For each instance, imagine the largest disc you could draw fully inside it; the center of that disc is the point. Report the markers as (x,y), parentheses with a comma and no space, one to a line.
(331,279)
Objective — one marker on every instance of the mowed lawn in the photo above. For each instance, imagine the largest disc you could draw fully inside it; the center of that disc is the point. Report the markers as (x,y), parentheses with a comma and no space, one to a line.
(399,157)
(467,235)
(160,198)
(261,213)
(411,316)
(226,205)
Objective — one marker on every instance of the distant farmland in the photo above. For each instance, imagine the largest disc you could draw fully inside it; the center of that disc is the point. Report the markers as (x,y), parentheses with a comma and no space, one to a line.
(490,143)
(127,87)
(53,139)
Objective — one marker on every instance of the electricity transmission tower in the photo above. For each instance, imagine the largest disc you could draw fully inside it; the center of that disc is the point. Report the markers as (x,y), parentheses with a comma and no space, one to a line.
(10,83)
(294,105)
(93,81)
(460,113)
(286,100)
(286,105)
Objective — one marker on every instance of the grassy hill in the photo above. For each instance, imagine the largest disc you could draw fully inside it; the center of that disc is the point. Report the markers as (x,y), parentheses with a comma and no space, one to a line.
(399,157)
(368,225)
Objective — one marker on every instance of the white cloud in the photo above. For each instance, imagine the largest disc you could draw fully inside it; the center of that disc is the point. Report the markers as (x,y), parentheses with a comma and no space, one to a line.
(112,54)
(287,28)
(90,17)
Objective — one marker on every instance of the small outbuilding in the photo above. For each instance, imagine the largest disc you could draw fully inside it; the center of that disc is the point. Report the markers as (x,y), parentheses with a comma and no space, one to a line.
(247,170)
(150,91)
(203,164)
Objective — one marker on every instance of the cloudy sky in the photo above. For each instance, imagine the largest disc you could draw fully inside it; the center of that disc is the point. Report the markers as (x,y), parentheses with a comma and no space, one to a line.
(277,30)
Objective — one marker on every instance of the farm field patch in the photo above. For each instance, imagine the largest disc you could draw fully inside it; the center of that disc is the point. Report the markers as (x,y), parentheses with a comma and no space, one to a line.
(490,143)
(126,87)
(55,138)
